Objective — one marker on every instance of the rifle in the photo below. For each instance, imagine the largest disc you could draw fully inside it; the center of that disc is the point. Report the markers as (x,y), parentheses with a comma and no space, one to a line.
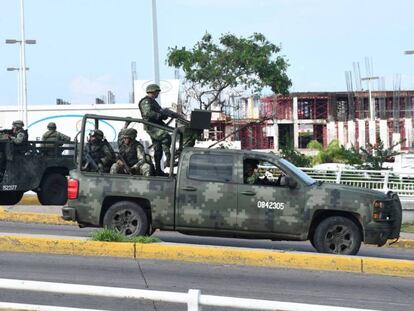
(91,162)
(127,169)
(5,134)
(174,115)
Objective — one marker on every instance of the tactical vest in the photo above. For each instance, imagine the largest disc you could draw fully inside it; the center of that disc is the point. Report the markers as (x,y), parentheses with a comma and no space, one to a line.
(96,151)
(154,107)
(129,153)
(50,135)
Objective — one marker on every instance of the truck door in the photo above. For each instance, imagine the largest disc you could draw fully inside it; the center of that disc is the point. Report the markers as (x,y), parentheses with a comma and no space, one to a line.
(263,204)
(207,191)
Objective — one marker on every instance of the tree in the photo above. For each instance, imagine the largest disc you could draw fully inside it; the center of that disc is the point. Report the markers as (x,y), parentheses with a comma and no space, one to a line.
(213,69)
(375,155)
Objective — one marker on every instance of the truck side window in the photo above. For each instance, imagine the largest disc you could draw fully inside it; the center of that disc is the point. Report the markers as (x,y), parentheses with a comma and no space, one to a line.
(211,167)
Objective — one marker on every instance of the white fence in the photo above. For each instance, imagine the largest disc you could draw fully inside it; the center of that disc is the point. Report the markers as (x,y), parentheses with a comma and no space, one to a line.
(193,299)
(378,180)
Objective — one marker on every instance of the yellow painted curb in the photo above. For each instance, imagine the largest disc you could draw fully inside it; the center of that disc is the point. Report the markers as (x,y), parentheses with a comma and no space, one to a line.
(40,218)
(211,255)
(29,200)
(65,246)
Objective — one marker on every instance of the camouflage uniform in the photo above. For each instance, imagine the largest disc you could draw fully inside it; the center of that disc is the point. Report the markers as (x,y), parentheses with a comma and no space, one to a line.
(100,151)
(133,154)
(52,135)
(19,136)
(151,111)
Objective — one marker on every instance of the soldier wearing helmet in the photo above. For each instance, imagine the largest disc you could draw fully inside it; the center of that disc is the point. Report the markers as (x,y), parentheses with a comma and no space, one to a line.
(151,111)
(19,134)
(51,135)
(100,152)
(132,157)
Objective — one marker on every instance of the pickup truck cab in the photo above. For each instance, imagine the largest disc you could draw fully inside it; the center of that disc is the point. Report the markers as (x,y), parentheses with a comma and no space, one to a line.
(211,194)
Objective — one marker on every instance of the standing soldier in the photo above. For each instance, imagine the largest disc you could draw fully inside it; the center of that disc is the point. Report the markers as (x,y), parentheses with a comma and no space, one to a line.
(51,135)
(132,156)
(99,154)
(151,111)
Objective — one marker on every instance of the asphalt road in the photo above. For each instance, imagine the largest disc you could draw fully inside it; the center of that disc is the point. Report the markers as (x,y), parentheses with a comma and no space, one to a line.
(175,237)
(327,288)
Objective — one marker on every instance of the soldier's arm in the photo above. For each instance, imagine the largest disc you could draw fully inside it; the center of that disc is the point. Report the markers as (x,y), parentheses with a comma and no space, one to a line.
(18,139)
(148,113)
(63,137)
(140,154)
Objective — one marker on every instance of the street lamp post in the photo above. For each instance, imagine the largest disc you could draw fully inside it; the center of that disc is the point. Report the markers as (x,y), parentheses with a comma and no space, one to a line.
(23,68)
(371,103)
(19,93)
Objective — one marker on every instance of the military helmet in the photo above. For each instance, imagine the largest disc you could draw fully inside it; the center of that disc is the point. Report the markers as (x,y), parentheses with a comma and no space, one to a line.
(51,126)
(151,88)
(130,133)
(97,133)
(18,124)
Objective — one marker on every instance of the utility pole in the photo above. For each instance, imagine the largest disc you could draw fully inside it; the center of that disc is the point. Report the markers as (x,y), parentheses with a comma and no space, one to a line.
(371,103)
(155,42)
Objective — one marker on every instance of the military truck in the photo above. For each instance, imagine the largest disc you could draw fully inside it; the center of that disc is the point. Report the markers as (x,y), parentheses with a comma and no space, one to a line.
(208,195)
(31,166)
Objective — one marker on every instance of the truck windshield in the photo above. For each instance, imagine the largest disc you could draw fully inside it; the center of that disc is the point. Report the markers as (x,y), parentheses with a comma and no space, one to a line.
(302,175)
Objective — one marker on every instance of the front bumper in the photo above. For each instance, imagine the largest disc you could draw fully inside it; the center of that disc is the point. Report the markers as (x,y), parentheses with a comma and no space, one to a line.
(379,231)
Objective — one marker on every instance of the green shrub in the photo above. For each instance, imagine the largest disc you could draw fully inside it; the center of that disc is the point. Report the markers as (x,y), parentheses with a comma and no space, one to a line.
(108,235)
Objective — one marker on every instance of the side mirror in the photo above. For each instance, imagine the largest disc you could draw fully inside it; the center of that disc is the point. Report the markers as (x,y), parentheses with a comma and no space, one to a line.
(287,181)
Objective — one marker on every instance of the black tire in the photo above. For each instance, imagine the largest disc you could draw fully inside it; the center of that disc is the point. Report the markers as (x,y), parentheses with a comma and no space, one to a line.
(10,197)
(53,190)
(127,218)
(337,235)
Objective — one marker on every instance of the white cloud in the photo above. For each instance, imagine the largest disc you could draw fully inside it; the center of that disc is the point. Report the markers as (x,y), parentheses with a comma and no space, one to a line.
(85,89)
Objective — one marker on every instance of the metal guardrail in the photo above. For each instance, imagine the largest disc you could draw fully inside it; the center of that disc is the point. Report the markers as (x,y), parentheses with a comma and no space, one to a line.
(193,299)
(383,180)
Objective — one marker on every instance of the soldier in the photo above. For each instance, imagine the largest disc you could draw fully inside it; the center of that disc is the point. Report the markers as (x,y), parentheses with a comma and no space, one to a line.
(250,174)
(151,111)
(99,154)
(132,156)
(52,135)
(19,135)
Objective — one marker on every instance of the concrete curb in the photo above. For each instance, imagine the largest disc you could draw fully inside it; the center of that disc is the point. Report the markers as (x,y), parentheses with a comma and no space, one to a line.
(210,255)
(39,218)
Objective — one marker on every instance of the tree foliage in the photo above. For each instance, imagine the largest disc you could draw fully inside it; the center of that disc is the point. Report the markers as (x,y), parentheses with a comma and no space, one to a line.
(211,69)
(370,158)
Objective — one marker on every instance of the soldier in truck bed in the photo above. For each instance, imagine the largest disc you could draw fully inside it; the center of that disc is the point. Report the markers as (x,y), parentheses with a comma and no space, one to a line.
(100,152)
(151,111)
(133,158)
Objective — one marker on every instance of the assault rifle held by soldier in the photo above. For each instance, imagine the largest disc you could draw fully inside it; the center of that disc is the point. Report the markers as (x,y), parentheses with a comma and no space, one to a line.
(174,115)
(125,166)
(91,164)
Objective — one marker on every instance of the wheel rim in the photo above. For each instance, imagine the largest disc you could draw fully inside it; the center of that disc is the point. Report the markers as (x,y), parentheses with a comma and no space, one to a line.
(339,239)
(126,221)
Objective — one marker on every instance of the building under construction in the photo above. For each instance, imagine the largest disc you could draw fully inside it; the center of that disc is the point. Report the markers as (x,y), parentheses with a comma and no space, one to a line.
(296,119)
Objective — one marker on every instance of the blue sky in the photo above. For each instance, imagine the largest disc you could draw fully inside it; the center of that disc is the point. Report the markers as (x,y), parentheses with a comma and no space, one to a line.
(85,47)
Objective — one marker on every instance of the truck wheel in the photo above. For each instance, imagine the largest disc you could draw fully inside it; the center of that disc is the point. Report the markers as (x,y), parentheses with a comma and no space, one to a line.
(53,190)
(10,197)
(337,235)
(127,218)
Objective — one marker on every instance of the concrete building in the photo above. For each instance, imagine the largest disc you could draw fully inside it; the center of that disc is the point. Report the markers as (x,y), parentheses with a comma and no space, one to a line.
(325,116)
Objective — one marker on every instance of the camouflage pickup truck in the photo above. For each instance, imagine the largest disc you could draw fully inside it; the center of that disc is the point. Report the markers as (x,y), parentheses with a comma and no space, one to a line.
(213,194)
(31,166)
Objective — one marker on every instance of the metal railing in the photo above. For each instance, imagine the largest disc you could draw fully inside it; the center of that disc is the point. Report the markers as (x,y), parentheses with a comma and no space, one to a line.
(193,299)
(383,180)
